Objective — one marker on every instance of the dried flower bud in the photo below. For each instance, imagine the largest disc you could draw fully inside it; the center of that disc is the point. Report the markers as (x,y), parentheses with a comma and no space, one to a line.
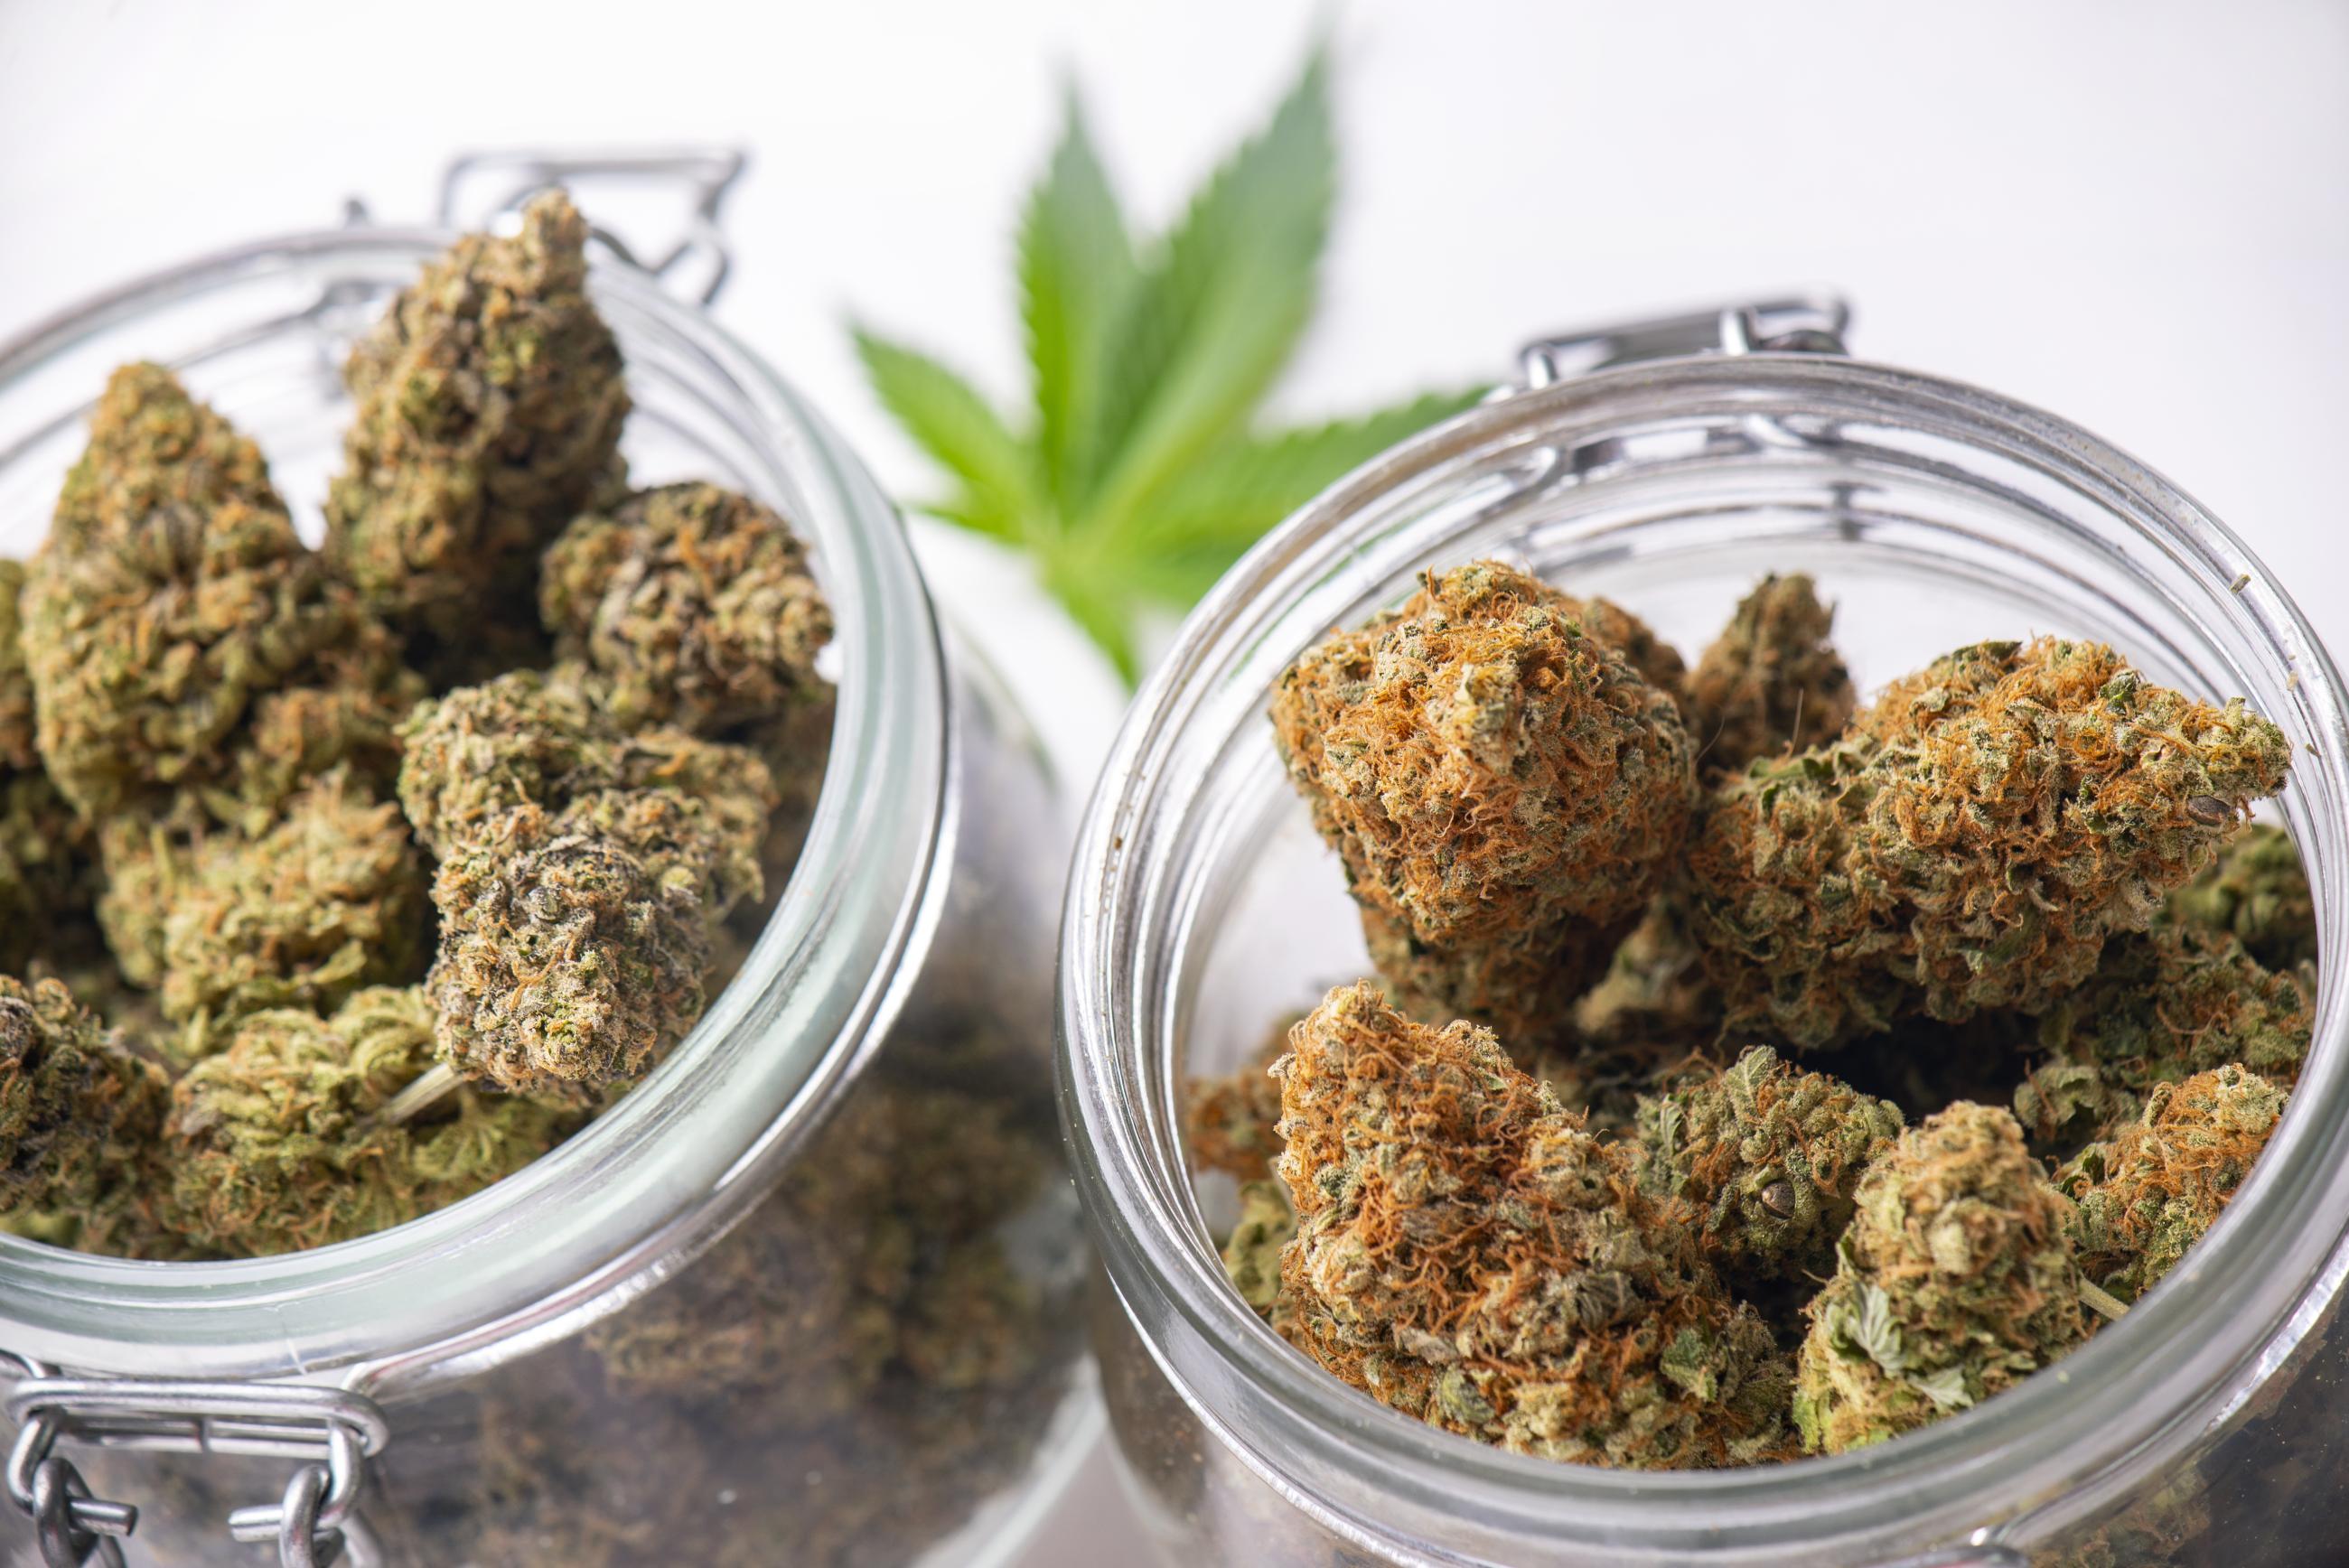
(694,606)
(2256,891)
(1769,1155)
(489,403)
(328,899)
(170,596)
(566,962)
(277,1143)
(17,753)
(1230,1117)
(1969,843)
(2165,1006)
(78,1113)
(2150,1194)
(46,864)
(583,874)
(1503,786)
(1264,1230)
(529,739)
(1956,1281)
(1468,1253)
(1770,680)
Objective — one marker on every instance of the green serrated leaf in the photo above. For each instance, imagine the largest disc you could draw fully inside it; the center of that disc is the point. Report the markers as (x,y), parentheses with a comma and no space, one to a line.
(954,425)
(1219,308)
(1240,489)
(1946,1387)
(1076,272)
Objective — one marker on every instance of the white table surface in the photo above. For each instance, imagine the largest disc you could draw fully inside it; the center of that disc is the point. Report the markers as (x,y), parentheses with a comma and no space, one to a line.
(2136,214)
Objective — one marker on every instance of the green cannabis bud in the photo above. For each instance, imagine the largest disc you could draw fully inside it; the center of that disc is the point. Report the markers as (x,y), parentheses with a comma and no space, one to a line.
(583,874)
(279,1142)
(1468,1253)
(2256,891)
(1503,786)
(2150,1192)
(1769,1155)
(1770,680)
(172,614)
(1264,1230)
(45,847)
(489,403)
(2164,1007)
(694,606)
(78,1114)
(1956,1281)
(329,899)
(1971,842)
(566,962)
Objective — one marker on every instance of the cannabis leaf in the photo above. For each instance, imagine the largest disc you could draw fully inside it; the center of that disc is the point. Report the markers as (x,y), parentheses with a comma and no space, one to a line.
(1140,474)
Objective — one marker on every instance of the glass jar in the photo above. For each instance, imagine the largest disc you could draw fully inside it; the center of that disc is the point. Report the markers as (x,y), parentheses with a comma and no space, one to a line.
(809,1294)
(2211,1426)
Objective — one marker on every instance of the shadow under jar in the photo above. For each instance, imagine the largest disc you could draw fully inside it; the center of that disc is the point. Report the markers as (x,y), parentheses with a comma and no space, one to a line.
(1204,911)
(804,1297)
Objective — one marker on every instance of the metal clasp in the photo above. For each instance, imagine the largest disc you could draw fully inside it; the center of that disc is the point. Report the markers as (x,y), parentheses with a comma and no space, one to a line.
(332,1432)
(478,187)
(1809,323)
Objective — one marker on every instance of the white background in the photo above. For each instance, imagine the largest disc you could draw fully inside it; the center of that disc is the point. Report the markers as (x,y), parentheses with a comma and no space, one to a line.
(2134,214)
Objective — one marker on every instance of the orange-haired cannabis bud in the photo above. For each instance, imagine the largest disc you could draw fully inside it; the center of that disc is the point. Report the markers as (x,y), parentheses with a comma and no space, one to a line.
(489,403)
(1467,1253)
(1769,1155)
(2164,1005)
(2150,1192)
(1503,785)
(1969,843)
(1957,1281)
(1770,680)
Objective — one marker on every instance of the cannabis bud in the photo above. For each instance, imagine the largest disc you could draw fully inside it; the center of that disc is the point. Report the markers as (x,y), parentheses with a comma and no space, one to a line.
(2150,1192)
(583,871)
(281,1142)
(1969,843)
(1465,1252)
(1770,680)
(1503,786)
(172,614)
(1769,1155)
(329,899)
(694,606)
(1956,1281)
(2256,891)
(45,848)
(490,404)
(1263,1232)
(78,1114)
(2164,1005)
(1230,1117)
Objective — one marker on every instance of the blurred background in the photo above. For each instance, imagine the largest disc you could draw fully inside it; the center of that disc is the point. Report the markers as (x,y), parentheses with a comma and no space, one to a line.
(2135,215)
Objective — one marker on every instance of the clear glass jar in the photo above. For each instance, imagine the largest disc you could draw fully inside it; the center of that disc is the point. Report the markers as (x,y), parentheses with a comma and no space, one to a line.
(809,1294)
(2212,1426)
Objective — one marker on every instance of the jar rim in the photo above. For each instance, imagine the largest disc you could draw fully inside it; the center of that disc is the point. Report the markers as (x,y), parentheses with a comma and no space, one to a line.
(588,1223)
(2252,1290)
